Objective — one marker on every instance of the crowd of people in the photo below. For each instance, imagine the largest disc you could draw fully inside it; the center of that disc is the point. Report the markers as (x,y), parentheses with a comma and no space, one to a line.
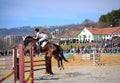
(106,46)
(4,52)
(89,49)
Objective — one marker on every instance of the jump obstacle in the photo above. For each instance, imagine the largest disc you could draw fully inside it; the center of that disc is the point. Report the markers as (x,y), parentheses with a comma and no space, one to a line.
(96,57)
(19,69)
(30,77)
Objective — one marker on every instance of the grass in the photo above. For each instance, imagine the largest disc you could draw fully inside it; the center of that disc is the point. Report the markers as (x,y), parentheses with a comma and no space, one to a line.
(1,73)
(75,45)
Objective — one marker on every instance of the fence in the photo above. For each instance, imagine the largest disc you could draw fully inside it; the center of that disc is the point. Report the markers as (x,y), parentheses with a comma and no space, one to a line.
(103,50)
(7,65)
(19,67)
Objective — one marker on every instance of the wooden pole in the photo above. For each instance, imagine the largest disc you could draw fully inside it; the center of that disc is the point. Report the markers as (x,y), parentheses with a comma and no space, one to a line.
(21,63)
(15,63)
(31,64)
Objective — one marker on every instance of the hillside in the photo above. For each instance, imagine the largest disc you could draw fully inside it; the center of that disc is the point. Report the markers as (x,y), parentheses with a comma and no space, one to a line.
(28,30)
(16,31)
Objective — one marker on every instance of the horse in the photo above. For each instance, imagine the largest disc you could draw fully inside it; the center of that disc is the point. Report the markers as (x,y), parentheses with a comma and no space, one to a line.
(50,50)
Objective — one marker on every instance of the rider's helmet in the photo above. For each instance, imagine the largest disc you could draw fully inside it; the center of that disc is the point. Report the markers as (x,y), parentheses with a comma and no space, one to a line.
(37,30)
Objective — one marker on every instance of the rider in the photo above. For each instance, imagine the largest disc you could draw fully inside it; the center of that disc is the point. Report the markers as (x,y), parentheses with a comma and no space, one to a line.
(41,37)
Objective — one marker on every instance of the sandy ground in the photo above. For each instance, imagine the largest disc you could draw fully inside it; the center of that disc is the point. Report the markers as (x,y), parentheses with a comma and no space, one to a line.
(82,74)
(80,71)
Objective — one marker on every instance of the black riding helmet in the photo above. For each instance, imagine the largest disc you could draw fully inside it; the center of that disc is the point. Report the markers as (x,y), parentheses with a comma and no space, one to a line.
(37,30)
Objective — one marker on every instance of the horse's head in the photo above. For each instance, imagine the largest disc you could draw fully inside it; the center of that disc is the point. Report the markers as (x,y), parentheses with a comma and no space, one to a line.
(27,40)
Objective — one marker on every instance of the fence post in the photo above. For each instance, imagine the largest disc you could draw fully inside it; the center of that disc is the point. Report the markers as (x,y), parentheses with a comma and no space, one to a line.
(31,64)
(21,63)
(15,63)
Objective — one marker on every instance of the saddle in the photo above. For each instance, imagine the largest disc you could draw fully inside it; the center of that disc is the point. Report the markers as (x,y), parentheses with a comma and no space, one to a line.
(43,43)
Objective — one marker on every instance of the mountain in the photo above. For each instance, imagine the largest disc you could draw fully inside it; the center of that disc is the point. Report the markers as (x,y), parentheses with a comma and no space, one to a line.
(28,30)
(16,31)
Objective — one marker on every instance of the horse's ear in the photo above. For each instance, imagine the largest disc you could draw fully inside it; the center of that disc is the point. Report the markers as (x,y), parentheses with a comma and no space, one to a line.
(23,38)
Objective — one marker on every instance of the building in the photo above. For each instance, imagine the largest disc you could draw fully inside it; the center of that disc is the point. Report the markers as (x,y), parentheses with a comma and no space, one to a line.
(96,34)
(12,39)
(91,34)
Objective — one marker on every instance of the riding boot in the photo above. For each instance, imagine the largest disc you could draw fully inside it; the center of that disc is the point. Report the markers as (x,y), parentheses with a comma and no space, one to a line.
(40,48)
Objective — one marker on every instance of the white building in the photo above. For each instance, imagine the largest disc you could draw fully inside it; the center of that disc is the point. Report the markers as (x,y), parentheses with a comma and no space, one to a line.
(12,39)
(89,34)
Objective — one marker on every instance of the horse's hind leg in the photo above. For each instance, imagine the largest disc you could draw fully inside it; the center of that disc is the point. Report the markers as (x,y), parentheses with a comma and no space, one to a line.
(61,63)
(57,58)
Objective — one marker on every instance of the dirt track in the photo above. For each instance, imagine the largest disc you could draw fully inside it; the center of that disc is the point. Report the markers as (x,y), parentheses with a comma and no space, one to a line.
(82,74)
(82,71)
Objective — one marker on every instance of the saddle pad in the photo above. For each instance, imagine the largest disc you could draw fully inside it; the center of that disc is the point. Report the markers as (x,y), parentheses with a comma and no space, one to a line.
(43,44)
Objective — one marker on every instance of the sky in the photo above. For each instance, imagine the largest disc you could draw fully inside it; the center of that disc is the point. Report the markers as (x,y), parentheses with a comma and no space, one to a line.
(16,13)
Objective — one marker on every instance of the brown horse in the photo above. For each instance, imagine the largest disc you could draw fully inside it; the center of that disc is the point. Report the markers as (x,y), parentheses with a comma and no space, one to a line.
(50,50)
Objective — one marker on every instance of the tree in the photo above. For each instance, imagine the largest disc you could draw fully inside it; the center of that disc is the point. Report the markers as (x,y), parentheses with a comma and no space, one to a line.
(103,18)
(101,25)
(112,18)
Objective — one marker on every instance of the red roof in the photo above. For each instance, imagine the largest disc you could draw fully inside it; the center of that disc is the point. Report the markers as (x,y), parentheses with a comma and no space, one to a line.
(113,30)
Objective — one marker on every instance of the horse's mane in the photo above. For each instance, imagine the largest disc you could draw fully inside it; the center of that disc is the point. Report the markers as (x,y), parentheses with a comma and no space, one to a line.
(28,37)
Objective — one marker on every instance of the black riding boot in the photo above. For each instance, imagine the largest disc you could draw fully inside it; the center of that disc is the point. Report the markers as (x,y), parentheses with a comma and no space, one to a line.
(40,46)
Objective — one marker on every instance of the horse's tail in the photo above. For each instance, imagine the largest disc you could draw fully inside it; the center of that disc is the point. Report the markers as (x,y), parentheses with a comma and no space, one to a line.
(61,54)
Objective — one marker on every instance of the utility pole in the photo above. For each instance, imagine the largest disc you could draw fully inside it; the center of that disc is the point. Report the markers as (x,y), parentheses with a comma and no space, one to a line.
(59,36)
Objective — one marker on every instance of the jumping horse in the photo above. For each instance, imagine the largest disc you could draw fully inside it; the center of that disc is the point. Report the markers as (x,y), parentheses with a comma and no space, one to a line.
(50,50)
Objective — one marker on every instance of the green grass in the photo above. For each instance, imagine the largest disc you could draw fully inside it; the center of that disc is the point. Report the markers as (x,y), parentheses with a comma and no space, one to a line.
(1,74)
(75,45)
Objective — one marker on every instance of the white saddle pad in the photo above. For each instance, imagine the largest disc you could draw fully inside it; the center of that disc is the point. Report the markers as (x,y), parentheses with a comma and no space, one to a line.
(43,44)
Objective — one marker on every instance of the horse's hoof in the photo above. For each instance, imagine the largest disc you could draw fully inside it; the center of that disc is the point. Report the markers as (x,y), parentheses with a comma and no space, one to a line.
(60,68)
(46,73)
(51,73)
